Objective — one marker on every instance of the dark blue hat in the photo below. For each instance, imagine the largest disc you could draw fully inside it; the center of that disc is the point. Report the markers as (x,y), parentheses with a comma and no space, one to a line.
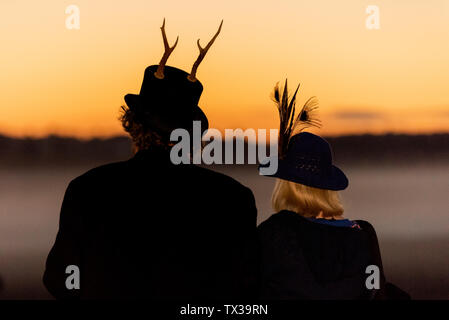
(308,161)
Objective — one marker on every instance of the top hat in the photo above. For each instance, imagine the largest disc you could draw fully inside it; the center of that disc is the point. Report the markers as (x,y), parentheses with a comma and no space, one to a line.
(168,103)
(308,161)
(168,98)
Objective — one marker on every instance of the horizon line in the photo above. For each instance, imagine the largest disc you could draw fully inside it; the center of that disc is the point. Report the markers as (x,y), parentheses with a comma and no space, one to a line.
(124,135)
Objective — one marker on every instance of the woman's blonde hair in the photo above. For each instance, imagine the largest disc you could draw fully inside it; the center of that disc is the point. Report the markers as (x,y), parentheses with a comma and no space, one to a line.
(307,201)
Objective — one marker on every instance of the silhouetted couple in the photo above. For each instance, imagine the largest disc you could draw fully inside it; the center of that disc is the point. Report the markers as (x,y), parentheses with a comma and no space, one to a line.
(146,228)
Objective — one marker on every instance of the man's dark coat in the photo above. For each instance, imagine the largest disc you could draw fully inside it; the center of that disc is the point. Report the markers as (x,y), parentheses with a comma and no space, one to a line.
(145,228)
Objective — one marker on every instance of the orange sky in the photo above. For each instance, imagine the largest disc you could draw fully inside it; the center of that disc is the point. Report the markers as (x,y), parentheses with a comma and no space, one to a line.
(72,82)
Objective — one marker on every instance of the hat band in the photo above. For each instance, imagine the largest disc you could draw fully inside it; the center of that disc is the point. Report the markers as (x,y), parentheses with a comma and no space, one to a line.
(311,164)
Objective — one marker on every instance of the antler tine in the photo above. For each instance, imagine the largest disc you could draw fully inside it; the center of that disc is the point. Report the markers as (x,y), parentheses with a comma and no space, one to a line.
(203,51)
(168,50)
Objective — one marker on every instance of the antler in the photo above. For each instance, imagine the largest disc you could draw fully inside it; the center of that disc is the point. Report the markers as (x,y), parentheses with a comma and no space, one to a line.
(160,69)
(203,52)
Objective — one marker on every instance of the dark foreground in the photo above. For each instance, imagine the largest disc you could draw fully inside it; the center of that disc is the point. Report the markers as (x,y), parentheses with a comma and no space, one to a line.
(406,204)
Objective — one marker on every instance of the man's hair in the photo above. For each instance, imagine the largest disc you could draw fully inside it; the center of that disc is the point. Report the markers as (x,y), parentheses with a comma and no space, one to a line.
(304,200)
(142,136)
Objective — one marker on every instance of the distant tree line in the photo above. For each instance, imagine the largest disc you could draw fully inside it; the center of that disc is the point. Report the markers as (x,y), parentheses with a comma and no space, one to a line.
(357,149)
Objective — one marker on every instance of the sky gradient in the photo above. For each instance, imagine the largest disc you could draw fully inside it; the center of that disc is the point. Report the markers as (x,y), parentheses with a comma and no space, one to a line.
(72,82)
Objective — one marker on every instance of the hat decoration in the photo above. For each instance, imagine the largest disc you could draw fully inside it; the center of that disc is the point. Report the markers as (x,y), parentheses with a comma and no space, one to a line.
(169,96)
(288,125)
(168,50)
(304,158)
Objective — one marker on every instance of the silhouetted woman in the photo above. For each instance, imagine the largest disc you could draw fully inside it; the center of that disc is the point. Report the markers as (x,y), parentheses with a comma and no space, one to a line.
(308,250)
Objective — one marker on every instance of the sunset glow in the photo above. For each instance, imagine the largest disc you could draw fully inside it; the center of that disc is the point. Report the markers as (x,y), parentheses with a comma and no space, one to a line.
(72,82)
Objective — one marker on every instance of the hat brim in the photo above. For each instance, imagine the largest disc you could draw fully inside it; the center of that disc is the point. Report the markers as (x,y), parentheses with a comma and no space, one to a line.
(163,119)
(335,179)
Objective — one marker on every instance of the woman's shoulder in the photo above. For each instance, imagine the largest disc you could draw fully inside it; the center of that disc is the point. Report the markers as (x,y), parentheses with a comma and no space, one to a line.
(282,220)
(280,217)
(290,222)
(279,231)
(289,219)
(368,228)
(365,225)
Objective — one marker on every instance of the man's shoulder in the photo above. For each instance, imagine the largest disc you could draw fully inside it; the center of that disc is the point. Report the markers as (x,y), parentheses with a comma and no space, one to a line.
(100,173)
(205,175)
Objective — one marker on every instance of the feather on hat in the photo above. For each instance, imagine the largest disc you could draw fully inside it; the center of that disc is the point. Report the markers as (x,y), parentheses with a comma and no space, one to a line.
(288,125)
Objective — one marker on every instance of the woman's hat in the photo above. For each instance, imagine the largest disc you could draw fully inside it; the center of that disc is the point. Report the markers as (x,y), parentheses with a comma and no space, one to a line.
(304,158)
(168,98)
(309,162)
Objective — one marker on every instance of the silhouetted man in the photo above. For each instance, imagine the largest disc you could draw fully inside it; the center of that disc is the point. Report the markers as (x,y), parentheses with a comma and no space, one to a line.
(146,228)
